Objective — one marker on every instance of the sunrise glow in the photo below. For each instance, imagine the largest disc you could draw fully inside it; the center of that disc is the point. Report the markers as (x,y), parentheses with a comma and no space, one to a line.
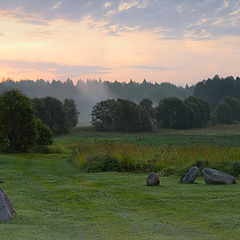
(119,40)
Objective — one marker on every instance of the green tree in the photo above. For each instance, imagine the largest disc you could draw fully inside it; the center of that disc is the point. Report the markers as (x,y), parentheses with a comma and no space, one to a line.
(17,120)
(71,112)
(104,115)
(18,126)
(132,117)
(120,115)
(51,112)
(147,105)
(198,111)
(224,113)
(234,105)
(172,113)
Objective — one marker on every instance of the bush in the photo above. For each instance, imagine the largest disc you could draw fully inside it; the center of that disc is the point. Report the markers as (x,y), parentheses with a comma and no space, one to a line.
(108,156)
(44,134)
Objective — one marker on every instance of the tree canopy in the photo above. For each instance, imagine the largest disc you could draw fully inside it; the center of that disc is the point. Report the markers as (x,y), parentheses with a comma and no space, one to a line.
(178,114)
(213,90)
(120,115)
(59,117)
(19,128)
(228,110)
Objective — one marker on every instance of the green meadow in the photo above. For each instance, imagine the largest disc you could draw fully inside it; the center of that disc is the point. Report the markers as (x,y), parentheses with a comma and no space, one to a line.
(56,198)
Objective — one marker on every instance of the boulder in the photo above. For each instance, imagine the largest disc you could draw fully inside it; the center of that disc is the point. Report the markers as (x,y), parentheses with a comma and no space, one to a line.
(190,175)
(152,179)
(6,208)
(214,176)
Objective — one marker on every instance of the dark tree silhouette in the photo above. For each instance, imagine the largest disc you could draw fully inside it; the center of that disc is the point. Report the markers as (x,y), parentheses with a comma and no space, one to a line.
(19,129)
(120,115)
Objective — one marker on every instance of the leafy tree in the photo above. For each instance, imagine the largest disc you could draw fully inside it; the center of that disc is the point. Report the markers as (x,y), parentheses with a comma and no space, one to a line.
(51,111)
(228,110)
(234,105)
(18,125)
(71,112)
(198,111)
(224,113)
(132,118)
(104,115)
(147,105)
(120,115)
(172,113)
(17,120)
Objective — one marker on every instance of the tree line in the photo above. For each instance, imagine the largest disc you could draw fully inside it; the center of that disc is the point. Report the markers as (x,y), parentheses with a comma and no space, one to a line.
(228,110)
(87,93)
(214,90)
(127,116)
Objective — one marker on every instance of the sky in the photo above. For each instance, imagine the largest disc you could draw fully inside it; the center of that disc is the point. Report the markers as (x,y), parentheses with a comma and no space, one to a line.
(177,41)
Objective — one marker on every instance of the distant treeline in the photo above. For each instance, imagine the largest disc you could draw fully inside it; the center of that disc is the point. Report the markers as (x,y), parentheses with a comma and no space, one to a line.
(213,90)
(87,94)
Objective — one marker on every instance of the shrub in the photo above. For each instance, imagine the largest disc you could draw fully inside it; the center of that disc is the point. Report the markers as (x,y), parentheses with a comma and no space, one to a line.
(108,156)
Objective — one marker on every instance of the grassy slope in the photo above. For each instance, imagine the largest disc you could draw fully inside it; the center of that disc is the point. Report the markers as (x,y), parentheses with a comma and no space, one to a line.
(56,201)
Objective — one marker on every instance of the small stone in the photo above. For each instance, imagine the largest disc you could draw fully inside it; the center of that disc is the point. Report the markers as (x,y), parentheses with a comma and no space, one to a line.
(190,175)
(214,176)
(6,208)
(152,179)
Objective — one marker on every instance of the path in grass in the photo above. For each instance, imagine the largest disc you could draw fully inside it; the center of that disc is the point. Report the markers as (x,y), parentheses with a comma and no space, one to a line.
(56,201)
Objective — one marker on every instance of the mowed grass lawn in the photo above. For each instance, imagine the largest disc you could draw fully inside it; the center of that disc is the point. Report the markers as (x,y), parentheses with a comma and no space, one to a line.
(54,200)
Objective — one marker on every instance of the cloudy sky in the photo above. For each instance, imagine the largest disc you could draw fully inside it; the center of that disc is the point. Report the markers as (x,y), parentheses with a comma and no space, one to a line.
(179,41)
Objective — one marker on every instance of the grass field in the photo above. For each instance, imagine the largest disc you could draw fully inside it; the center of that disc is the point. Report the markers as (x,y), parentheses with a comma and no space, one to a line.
(220,134)
(54,200)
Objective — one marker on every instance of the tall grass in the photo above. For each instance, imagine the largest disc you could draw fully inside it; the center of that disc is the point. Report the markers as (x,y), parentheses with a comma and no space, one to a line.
(112,156)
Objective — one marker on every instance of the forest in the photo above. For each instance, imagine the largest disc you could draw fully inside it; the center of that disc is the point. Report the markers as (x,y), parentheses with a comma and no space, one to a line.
(87,94)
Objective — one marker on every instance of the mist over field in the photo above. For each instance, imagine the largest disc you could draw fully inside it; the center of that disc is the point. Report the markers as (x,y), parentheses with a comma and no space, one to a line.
(87,94)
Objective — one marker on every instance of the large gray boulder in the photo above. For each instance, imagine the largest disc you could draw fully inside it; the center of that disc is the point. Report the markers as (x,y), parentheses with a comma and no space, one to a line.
(214,176)
(152,179)
(190,175)
(6,208)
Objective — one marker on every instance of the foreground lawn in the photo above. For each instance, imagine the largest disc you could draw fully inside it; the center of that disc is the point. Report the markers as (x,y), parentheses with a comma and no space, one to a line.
(56,201)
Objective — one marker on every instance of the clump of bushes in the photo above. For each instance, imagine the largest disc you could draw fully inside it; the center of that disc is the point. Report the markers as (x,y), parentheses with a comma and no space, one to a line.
(109,156)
